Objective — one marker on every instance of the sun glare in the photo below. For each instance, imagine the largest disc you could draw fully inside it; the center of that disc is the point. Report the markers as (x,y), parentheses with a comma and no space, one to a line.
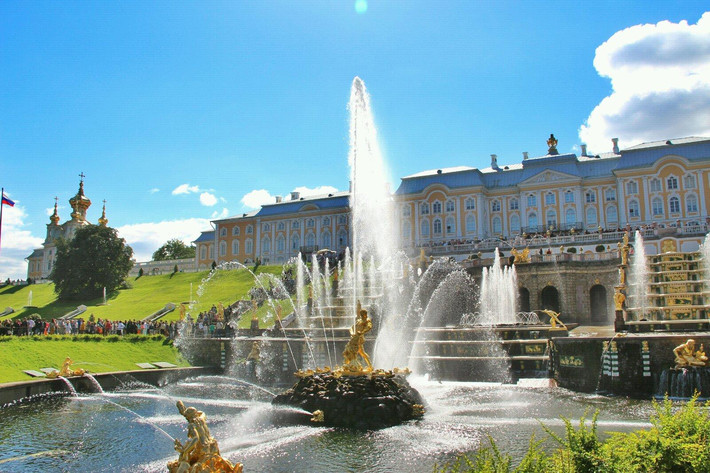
(360,6)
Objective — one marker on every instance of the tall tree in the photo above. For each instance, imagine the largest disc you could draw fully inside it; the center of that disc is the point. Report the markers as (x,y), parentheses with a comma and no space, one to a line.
(174,249)
(95,258)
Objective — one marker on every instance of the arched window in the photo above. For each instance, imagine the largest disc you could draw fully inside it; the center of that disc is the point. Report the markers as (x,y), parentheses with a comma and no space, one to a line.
(436,207)
(689,182)
(325,238)
(450,206)
(532,221)
(266,227)
(406,230)
(514,204)
(250,229)
(634,209)
(495,206)
(551,218)
(691,203)
(632,188)
(470,224)
(406,210)
(295,224)
(437,226)
(310,223)
(266,245)
(223,232)
(248,246)
(203,252)
(211,250)
(326,221)
(570,217)
(592,217)
(235,231)
(514,225)
(310,240)
(424,208)
(657,207)
(342,239)
(222,248)
(235,247)
(281,226)
(424,228)
(674,205)
(655,185)
(470,204)
(295,242)
(450,225)
(280,243)
(342,219)
(612,216)
(497,227)
(672,183)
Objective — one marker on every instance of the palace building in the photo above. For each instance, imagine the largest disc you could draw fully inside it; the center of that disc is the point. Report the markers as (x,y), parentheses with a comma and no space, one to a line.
(41,261)
(661,188)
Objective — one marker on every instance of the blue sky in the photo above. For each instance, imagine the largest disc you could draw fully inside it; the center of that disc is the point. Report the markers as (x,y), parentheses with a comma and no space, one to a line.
(176,111)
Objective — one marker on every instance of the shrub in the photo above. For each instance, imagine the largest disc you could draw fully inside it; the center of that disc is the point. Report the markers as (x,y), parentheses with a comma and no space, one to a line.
(600,248)
(571,250)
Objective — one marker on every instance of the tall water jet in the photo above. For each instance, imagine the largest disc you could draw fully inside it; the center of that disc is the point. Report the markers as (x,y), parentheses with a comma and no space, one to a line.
(499,294)
(705,262)
(638,279)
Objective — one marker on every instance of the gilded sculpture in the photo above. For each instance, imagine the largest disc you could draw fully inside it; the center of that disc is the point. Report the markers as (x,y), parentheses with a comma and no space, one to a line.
(686,355)
(554,319)
(200,453)
(255,353)
(619,299)
(65,371)
(521,256)
(356,346)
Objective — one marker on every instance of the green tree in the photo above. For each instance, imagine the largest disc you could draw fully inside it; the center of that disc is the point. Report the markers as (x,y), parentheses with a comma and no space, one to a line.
(174,249)
(95,258)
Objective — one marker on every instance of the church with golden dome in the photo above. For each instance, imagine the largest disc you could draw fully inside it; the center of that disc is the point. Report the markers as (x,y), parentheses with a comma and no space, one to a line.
(41,261)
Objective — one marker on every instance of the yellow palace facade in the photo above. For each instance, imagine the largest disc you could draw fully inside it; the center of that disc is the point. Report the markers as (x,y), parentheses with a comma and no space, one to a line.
(661,188)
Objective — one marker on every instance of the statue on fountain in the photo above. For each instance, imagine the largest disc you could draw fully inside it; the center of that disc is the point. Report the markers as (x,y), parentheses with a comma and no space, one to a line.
(554,319)
(200,454)
(521,256)
(65,371)
(356,345)
(686,356)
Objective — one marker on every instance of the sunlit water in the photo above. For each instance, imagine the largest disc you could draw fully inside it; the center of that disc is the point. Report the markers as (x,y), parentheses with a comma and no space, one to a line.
(88,434)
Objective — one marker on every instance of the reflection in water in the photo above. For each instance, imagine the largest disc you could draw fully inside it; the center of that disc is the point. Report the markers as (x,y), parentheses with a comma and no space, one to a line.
(86,434)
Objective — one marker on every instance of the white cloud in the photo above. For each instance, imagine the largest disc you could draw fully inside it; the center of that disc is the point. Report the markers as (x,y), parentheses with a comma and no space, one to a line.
(155,189)
(145,238)
(320,190)
(257,198)
(185,189)
(17,243)
(660,76)
(207,199)
(223,214)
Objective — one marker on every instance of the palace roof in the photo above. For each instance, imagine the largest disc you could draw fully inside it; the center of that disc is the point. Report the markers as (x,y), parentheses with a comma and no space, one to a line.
(205,236)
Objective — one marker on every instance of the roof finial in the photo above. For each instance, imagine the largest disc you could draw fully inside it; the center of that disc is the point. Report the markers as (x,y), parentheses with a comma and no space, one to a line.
(552,143)
(103,221)
(54,218)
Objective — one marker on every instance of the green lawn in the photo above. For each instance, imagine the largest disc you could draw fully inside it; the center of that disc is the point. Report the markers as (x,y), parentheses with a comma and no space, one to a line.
(147,295)
(94,353)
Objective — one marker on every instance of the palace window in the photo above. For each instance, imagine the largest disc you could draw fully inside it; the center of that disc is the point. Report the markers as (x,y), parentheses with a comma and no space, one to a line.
(689,182)
(325,238)
(203,252)
(406,230)
(223,232)
(266,228)
(610,195)
(450,225)
(424,228)
(248,246)
(591,217)
(570,217)
(691,203)
(310,223)
(295,242)
(569,197)
(310,240)
(326,221)
(281,226)
(342,219)
(450,206)
(250,229)
(342,239)
(470,204)
(514,225)
(674,205)
(436,207)
(495,206)
(550,198)
(295,224)
(514,204)
(590,197)
(497,227)
(612,215)
(532,201)
(632,188)
(470,224)
(235,231)
(235,247)
(532,221)
(211,251)
(655,185)
(634,210)
(406,210)
(280,244)
(424,208)
(672,183)
(551,218)
(266,245)
(657,207)
(437,226)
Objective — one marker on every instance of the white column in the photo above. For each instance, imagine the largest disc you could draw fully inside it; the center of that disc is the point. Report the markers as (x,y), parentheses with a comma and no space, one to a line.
(415,230)
(504,223)
(459,225)
(621,198)
(257,238)
(647,200)
(701,193)
(480,203)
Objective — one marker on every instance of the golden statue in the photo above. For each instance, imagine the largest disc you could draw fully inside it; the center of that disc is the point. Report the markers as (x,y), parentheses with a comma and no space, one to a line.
(255,353)
(622,276)
(619,299)
(200,454)
(624,250)
(552,144)
(700,354)
(66,371)
(356,345)
(220,311)
(554,319)
(685,355)
(521,256)
(182,311)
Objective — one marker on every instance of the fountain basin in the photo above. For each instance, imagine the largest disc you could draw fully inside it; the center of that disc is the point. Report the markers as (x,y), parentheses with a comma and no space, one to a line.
(361,402)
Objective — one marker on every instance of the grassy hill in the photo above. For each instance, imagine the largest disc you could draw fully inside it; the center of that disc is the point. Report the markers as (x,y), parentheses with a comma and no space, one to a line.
(147,295)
